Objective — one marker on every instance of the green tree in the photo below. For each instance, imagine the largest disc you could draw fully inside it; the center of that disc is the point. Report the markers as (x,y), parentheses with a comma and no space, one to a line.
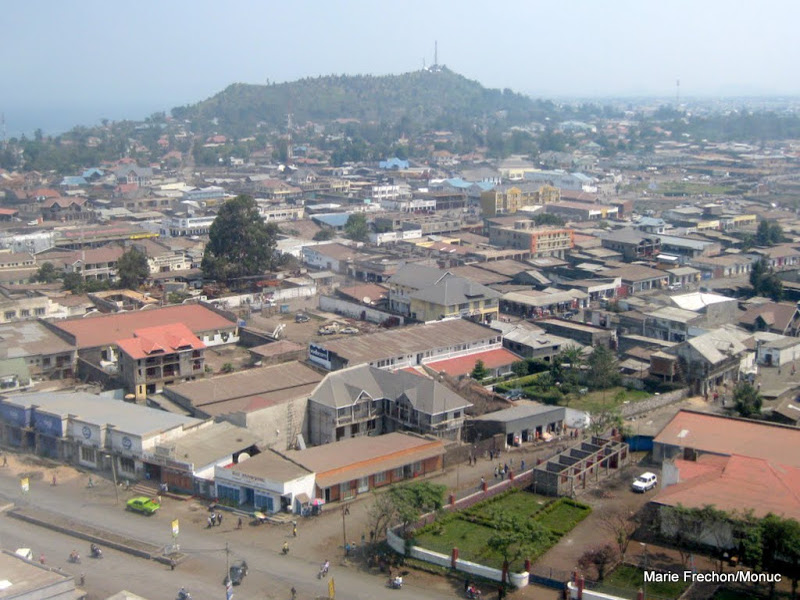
(548,219)
(747,400)
(240,243)
(356,227)
(515,538)
(768,233)
(324,234)
(603,369)
(764,281)
(412,500)
(519,368)
(47,273)
(73,282)
(479,372)
(132,269)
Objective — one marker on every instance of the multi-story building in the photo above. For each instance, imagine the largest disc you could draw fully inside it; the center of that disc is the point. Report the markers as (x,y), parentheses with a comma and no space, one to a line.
(365,400)
(155,356)
(455,297)
(96,263)
(508,199)
(47,354)
(633,245)
(539,241)
(581,211)
(184,226)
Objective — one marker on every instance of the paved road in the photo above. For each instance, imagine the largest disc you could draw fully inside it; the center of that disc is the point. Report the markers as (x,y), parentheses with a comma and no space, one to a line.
(271,574)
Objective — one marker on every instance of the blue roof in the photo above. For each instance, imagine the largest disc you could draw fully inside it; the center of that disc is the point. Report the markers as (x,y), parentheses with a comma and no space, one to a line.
(90,172)
(332,219)
(73,180)
(393,163)
(457,182)
(485,185)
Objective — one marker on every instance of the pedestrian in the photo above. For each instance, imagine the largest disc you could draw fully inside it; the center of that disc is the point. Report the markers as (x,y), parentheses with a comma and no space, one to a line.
(5,460)
(294,528)
(522,465)
(491,455)
(41,558)
(91,482)
(219,518)
(171,564)
(505,469)
(390,572)
(82,579)
(501,592)
(496,473)
(211,521)
(54,480)
(511,462)
(239,523)
(466,585)
(483,482)
(294,593)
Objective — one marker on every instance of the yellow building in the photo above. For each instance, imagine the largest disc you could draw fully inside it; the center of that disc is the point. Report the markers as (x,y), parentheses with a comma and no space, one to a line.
(509,199)
(455,297)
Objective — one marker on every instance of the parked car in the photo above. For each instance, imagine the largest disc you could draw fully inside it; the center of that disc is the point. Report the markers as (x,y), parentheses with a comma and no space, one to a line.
(350,330)
(301,318)
(237,572)
(143,504)
(644,482)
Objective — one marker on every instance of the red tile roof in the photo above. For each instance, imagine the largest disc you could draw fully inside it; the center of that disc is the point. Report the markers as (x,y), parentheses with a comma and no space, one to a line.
(8,211)
(727,436)
(165,339)
(105,330)
(743,483)
(463,365)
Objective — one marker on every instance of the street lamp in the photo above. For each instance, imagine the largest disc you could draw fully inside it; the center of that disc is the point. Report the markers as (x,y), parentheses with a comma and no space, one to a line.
(345,512)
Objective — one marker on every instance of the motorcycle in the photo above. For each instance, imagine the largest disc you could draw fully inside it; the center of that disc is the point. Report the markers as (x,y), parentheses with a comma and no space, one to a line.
(473,593)
(183,595)
(95,552)
(74,557)
(396,583)
(285,549)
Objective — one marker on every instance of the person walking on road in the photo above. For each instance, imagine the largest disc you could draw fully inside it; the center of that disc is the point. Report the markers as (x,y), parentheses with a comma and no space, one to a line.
(54,480)
(294,528)
(219,518)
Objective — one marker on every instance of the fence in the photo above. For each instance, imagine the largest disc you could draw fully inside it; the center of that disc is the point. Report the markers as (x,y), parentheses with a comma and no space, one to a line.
(355,310)
(654,402)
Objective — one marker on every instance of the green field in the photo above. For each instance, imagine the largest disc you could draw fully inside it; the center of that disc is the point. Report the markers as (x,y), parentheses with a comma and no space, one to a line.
(626,580)
(604,399)
(470,530)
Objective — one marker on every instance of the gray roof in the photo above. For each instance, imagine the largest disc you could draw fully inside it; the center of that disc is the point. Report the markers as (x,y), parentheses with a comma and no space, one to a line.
(344,388)
(29,338)
(520,412)
(451,291)
(407,340)
(271,466)
(417,276)
(124,416)
(206,445)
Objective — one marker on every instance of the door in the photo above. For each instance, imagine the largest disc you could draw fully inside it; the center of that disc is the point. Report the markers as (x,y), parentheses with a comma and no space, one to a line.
(363,485)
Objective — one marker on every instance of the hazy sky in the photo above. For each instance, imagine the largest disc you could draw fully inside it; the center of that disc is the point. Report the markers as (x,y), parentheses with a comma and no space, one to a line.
(122,59)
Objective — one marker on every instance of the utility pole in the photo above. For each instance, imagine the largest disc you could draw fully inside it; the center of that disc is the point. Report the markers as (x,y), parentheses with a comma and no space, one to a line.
(345,512)
(114,474)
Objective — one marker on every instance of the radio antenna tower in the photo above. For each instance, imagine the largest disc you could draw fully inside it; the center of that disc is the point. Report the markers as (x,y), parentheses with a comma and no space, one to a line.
(289,135)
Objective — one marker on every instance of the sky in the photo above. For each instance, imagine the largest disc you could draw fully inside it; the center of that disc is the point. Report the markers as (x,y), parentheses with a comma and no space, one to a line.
(67,63)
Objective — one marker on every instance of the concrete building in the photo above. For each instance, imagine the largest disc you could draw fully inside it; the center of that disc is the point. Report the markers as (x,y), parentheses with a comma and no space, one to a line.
(520,424)
(24,579)
(270,402)
(267,482)
(633,245)
(47,354)
(539,241)
(407,347)
(158,356)
(355,466)
(366,401)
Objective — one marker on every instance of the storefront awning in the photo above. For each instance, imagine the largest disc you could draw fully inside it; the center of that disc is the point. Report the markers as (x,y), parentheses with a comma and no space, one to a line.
(302,498)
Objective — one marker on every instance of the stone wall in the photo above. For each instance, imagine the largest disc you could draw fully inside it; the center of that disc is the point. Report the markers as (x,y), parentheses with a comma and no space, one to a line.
(653,403)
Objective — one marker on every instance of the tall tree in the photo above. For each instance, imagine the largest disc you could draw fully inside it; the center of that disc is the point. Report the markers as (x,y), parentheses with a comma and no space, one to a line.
(603,369)
(747,400)
(132,269)
(764,281)
(479,371)
(356,227)
(240,243)
(47,273)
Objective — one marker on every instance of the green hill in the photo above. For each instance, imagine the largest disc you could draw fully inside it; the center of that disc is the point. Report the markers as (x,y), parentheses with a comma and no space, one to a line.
(422,99)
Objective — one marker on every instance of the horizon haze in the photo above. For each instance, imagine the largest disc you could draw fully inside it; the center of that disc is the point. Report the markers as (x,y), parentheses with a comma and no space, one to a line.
(74,64)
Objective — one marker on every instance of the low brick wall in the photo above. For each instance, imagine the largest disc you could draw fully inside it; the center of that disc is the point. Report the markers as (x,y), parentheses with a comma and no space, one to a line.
(653,403)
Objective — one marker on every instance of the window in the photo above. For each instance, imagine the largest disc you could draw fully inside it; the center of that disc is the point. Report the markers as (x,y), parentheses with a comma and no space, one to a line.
(88,454)
(24,313)
(398,474)
(10,314)
(39,312)
(379,478)
(230,494)
(46,361)
(264,502)
(127,465)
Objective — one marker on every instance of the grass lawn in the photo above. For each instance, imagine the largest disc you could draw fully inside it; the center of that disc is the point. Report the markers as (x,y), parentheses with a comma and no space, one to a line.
(630,579)
(471,538)
(691,188)
(610,398)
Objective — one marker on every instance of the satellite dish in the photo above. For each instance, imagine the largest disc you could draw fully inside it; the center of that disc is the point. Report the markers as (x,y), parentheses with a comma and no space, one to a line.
(367,300)
(243,457)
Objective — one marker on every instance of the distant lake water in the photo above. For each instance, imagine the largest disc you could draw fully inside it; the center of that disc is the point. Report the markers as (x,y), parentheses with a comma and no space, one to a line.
(55,121)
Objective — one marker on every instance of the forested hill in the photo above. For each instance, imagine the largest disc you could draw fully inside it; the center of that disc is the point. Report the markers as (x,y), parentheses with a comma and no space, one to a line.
(421,99)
